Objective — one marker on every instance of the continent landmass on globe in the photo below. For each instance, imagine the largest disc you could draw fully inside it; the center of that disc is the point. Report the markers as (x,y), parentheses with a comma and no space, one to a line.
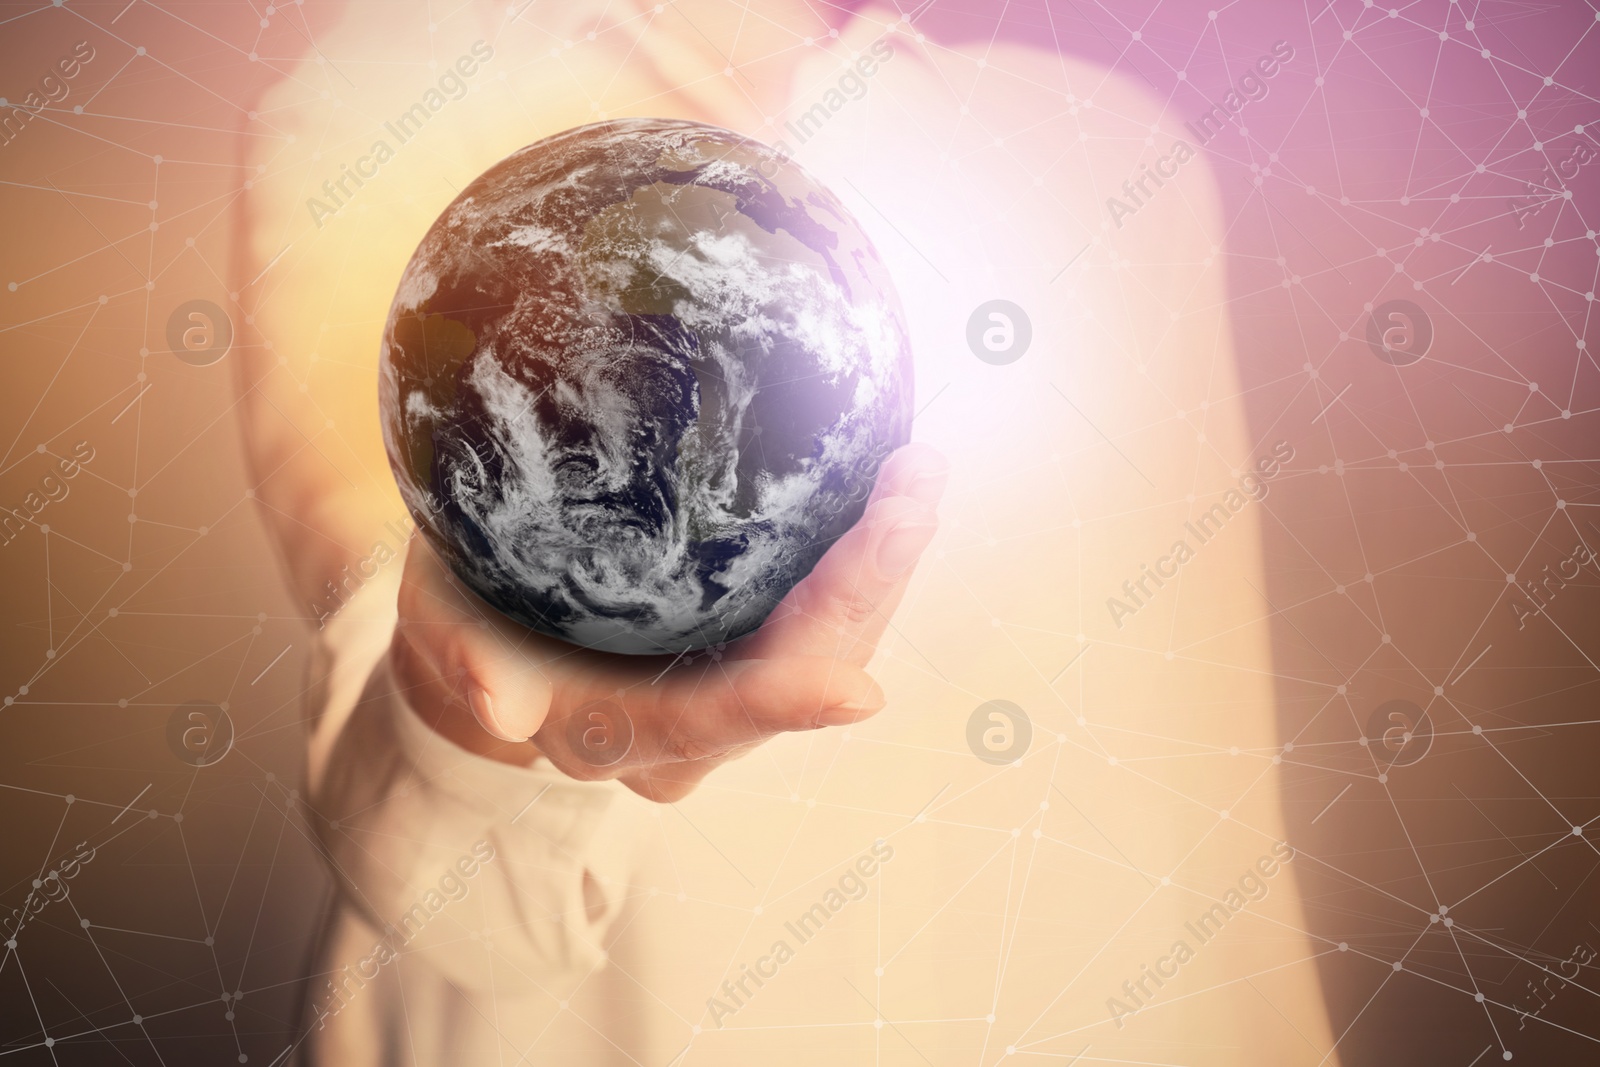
(637,378)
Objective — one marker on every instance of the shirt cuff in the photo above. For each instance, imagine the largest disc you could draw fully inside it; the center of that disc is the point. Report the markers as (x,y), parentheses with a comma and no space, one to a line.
(405,814)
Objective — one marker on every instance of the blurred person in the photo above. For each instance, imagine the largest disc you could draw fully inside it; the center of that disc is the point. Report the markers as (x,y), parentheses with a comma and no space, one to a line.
(496,894)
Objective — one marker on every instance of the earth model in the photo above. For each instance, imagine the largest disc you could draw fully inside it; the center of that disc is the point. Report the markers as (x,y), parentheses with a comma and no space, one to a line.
(637,378)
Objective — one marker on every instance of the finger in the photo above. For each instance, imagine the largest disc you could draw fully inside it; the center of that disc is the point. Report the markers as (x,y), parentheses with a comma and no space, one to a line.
(659,787)
(843,606)
(467,656)
(917,470)
(700,715)
(742,703)
(668,783)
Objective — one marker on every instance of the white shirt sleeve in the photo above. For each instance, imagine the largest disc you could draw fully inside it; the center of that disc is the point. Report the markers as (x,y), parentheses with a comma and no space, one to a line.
(473,867)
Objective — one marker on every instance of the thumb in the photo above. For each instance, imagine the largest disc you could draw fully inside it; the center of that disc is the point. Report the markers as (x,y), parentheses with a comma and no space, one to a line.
(460,654)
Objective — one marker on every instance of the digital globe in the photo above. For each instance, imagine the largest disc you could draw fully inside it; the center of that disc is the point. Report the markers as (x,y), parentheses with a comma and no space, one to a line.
(637,378)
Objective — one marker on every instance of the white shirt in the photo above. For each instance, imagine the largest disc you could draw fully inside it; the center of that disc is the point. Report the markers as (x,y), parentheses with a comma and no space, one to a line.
(1005,917)
(462,923)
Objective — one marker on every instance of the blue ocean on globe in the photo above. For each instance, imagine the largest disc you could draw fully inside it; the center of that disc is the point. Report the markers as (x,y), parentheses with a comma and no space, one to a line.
(637,378)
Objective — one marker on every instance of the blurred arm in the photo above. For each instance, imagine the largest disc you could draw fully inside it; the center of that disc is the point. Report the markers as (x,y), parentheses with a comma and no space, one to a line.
(318,518)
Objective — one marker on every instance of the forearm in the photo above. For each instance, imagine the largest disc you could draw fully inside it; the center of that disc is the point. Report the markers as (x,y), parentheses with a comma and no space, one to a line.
(320,518)
(398,807)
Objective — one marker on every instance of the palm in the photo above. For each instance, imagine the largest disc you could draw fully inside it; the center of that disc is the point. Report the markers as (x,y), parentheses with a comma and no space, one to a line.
(661,723)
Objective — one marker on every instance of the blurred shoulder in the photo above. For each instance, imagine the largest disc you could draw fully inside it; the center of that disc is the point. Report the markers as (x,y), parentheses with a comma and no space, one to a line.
(1103,142)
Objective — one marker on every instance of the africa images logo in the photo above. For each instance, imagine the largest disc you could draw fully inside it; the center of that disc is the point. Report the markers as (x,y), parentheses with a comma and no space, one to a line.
(1251,86)
(852,885)
(454,883)
(1252,486)
(404,128)
(1251,888)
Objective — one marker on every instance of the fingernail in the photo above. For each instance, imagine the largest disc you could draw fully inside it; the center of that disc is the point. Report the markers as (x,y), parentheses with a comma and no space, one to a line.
(927,487)
(854,709)
(483,711)
(902,544)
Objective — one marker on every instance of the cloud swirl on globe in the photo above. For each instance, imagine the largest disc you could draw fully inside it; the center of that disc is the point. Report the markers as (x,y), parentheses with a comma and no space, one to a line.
(637,378)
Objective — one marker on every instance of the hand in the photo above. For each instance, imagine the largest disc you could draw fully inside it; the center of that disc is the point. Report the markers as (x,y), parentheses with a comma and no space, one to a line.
(660,725)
